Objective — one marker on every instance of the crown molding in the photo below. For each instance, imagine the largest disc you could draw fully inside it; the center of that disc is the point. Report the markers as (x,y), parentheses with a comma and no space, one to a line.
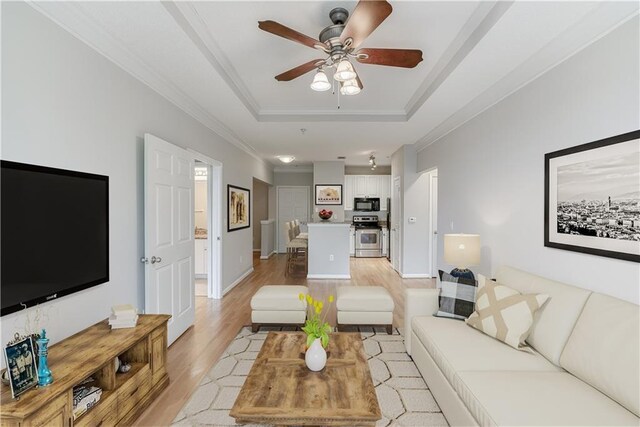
(293,169)
(70,17)
(483,19)
(194,26)
(332,116)
(595,25)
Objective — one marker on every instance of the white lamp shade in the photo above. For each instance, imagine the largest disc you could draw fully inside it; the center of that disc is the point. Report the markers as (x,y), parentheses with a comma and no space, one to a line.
(344,71)
(320,82)
(350,87)
(462,250)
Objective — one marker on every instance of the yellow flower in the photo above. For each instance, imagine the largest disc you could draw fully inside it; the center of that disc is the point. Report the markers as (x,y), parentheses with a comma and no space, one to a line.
(321,305)
(330,298)
(318,310)
(301,296)
(309,299)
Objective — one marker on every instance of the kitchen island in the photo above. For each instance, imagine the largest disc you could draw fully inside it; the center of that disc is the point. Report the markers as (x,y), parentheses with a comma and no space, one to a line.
(328,250)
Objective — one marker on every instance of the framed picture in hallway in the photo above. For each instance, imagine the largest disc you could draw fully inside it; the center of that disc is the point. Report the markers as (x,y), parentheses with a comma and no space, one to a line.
(592,198)
(238,208)
(328,194)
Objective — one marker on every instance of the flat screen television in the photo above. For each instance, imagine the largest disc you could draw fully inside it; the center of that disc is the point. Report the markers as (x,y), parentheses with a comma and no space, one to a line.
(55,233)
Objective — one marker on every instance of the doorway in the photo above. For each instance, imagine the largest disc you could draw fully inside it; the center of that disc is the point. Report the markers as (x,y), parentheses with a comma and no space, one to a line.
(396,223)
(208,203)
(201,235)
(433,222)
(260,205)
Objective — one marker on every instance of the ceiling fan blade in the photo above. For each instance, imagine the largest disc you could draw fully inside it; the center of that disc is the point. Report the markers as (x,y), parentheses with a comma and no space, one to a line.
(359,82)
(299,70)
(289,34)
(364,19)
(406,58)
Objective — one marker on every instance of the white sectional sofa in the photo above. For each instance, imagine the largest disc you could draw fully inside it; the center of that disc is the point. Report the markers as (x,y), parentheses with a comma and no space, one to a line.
(584,369)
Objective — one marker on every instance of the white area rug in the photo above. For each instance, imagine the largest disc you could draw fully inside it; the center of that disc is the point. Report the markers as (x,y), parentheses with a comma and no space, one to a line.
(404,397)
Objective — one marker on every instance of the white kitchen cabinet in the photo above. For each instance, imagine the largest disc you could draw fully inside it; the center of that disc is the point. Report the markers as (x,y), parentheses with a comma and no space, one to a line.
(360,185)
(352,241)
(366,186)
(201,261)
(385,191)
(385,241)
(348,192)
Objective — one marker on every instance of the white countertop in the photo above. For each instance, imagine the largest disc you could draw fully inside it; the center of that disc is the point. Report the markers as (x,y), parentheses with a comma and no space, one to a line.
(329,223)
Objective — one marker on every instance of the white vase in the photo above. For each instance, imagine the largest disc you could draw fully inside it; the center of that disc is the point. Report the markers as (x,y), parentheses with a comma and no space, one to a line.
(316,356)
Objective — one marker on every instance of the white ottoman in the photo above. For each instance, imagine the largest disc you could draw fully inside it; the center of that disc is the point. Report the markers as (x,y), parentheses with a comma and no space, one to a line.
(278,305)
(364,305)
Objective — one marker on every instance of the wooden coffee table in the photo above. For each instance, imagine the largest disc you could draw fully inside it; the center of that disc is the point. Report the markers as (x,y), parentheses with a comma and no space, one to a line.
(281,390)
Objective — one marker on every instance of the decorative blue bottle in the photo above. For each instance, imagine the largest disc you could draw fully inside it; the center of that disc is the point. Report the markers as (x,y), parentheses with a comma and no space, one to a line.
(44,374)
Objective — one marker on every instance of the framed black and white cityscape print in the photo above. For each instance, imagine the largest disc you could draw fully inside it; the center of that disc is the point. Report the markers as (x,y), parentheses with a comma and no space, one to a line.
(592,198)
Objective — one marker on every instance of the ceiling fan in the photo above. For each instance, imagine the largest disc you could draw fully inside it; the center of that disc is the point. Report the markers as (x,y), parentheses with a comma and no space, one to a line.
(340,42)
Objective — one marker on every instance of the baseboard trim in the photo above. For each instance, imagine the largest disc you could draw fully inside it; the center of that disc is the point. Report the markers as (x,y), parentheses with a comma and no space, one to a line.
(268,256)
(416,276)
(238,280)
(329,276)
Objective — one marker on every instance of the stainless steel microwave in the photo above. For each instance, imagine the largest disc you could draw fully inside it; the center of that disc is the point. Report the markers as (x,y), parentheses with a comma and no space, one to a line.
(366,204)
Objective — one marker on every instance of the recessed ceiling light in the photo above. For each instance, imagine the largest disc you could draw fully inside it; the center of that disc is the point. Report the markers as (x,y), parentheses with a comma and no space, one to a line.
(286,159)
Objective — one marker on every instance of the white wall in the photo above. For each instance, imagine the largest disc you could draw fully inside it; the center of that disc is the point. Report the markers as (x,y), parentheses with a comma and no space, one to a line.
(66,106)
(260,197)
(328,173)
(414,242)
(491,170)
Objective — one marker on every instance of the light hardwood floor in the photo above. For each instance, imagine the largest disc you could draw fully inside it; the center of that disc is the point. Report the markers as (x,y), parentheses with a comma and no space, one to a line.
(218,322)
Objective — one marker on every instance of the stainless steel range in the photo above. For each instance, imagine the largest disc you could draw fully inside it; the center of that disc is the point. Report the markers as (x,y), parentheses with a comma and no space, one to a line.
(368,236)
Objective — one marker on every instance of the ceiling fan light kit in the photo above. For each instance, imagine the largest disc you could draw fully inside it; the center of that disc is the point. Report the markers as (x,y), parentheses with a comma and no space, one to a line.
(344,71)
(340,42)
(350,87)
(320,82)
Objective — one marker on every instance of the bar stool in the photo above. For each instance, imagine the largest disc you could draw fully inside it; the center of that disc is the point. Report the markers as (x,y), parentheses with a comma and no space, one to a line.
(296,249)
(296,228)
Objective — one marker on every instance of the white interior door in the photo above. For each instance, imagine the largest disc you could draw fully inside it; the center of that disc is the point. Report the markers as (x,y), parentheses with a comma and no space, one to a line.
(396,222)
(433,211)
(293,203)
(169,233)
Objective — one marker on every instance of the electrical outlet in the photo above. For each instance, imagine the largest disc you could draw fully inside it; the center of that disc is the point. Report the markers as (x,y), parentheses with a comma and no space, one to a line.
(412,220)
(330,257)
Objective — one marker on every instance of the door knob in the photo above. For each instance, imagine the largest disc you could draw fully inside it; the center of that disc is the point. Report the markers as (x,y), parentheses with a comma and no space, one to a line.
(144,260)
(155,260)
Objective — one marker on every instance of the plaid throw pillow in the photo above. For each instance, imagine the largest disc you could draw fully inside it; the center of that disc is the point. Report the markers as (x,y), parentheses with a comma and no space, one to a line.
(457,296)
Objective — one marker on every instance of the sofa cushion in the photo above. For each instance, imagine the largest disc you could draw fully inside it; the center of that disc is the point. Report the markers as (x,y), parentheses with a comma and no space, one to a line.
(456,347)
(457,296)
(516,398)
(504,313)
(554,322)
(604,349)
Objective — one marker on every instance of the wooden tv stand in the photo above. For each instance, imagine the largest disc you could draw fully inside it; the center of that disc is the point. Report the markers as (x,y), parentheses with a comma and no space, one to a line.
(91,353)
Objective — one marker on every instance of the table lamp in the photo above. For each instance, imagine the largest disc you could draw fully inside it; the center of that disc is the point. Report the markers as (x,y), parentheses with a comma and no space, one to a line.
(461,251)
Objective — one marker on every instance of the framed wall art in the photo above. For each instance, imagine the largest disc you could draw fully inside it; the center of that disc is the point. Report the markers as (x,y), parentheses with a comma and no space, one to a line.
(328,194)
(238,208)
(20,356)
(592,198)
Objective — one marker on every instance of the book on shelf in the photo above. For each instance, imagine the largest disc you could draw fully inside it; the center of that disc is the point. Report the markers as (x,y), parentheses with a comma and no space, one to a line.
(124,311)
